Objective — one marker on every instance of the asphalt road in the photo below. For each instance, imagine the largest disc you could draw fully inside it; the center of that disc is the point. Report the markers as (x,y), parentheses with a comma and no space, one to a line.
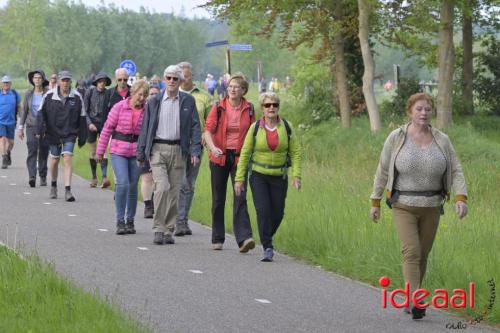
(187,287)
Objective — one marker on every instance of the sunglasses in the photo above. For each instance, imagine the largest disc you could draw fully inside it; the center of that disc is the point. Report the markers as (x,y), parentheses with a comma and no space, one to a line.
(121,80)
(268,105)
(168,78)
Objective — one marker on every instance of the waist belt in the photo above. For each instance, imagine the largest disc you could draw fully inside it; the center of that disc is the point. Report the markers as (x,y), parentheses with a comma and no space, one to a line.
(167,142)
(267,166)
(420,193)
(125,137)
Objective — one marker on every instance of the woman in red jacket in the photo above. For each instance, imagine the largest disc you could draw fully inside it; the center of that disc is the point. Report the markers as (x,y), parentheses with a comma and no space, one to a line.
(225,131)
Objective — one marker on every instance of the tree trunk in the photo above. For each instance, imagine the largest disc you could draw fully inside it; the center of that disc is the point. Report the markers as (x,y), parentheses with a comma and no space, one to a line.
(340,70)
(446,60)
(467,69)
(369,64)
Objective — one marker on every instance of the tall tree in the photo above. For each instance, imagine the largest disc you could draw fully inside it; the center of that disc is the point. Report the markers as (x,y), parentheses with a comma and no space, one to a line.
(364,29)
(467,59)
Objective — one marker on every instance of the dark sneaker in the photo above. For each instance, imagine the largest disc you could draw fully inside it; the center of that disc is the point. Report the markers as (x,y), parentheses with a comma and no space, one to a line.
(129,227)
(43,181)
(187,230)
(180,230)
(168,239)
(149,212)
(68,196)
(268,255)
(159,238)
(4,162)
(9,160)
(417,313)
(32,182)
(53,192)
(247,245)
(120,228)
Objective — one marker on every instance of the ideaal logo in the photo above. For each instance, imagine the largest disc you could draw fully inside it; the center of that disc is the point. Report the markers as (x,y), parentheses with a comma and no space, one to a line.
(440,298)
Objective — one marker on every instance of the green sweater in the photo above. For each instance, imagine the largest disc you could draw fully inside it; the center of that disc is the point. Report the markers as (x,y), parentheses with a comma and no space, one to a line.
(266,156)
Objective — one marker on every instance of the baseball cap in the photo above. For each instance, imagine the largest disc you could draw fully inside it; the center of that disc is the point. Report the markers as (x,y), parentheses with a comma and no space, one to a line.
(64,75)
(6,79)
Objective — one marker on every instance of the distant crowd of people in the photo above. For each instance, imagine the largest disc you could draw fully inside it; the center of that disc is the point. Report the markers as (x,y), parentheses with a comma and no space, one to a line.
(159,133)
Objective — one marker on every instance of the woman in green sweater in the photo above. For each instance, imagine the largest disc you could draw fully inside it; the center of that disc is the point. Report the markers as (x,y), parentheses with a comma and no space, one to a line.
(267,152)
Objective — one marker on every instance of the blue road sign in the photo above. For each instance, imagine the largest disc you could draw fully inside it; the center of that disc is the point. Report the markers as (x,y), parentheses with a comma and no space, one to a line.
(217,43)
(130,66)
(240,47)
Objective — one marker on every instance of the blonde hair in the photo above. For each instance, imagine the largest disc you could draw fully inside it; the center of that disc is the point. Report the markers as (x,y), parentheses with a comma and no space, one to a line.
(140,84)
(269,95)
(242,81)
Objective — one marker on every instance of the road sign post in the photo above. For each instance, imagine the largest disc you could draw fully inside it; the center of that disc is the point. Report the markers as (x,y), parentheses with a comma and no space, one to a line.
(130,66)
(236,47)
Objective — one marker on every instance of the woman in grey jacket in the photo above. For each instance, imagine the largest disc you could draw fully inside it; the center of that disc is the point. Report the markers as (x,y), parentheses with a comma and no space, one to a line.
(418,168)
(38,148)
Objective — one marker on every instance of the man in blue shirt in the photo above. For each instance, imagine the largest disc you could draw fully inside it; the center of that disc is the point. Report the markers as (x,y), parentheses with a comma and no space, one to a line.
(10,103)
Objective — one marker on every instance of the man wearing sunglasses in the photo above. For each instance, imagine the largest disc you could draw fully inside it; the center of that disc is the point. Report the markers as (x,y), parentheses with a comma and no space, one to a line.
(121,91)
(170,138)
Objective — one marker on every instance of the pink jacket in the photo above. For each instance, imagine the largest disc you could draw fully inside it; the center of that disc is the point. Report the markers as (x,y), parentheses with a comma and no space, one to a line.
(120,120)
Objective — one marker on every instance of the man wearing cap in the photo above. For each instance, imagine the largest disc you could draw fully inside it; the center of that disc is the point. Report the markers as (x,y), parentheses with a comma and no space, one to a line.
(96,105)
(38,148)
(203,105)
(170,137)
(10,104)
(62,119)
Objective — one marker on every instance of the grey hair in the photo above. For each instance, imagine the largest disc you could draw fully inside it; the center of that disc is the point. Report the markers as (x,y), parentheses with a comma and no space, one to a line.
(118,70)
(269,95)
(175,70)
(185,64)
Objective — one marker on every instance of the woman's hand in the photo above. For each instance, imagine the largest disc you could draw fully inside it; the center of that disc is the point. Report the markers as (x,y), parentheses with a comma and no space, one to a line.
(461,209)
(216,151)
(92,128)
(98,158)
(296,183)
(238,188)
(375,214)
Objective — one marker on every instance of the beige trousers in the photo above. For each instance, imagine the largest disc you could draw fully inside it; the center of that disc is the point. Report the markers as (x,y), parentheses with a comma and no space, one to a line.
(416,228)
(168,167)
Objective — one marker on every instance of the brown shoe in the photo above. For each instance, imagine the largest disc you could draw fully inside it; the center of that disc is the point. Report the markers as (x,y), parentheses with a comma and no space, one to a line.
(105,182)
(93,182)
(247,245)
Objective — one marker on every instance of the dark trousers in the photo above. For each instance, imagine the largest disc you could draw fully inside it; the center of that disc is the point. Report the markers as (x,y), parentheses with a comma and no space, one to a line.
(38,151)
(269,194)
(241,221)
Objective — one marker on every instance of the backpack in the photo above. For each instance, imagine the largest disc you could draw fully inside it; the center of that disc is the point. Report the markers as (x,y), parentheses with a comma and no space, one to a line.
(16,96)
(288,162)
(219,111)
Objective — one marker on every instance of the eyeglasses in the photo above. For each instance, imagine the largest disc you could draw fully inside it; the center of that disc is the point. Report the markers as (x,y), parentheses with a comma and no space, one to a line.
(268,105)
(121,80)
(168,78)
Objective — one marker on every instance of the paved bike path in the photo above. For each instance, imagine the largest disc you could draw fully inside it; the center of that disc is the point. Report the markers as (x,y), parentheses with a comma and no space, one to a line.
(187,287)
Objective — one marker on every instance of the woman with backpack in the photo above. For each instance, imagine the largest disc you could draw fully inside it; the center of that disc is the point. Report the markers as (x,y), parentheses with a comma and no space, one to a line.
(269,150)
(227,124)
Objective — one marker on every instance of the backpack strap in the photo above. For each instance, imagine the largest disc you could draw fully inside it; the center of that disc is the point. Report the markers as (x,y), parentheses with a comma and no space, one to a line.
(219,111)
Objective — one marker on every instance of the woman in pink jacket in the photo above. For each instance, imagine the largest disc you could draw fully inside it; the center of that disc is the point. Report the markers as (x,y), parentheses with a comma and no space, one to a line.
(123,126)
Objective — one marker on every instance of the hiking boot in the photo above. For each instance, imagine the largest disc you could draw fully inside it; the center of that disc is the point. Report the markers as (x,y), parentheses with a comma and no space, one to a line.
(158,240)
(120,228)
(247,245)
(68,196)
(217,246)
(268,255)
(129,227)
(9,160)
(149,212)
(32,182)
(93,182)
(4,162)
(417,313)
(105,182)
(53,192)
(43,181)
(168,239)
(187,230)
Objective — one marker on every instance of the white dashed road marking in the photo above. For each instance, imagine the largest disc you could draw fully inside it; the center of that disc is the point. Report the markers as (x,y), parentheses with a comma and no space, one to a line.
(47,203)
(143,248)
(3,176)
(12,184)
(27,193)
(195,271)
(264,301)
(103,230)
(71,215)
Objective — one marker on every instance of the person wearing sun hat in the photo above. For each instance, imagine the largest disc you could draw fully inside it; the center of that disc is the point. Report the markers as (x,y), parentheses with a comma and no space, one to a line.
(96,104)
(38,148)
(10,104)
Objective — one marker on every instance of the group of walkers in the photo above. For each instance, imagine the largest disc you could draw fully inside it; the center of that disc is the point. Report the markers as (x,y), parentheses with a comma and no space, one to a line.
(161,136)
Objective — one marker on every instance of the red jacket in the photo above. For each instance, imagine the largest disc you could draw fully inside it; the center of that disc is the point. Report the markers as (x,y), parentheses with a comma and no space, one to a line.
(219,136)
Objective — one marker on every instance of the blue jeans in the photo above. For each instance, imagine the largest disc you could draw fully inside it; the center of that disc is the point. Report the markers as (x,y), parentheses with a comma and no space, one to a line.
(65,148)
(126,178)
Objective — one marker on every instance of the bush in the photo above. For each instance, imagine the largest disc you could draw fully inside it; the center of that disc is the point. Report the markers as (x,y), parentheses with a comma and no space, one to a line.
(397,107)
(487,83)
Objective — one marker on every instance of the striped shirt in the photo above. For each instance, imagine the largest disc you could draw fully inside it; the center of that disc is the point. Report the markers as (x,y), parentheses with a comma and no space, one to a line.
(169,122)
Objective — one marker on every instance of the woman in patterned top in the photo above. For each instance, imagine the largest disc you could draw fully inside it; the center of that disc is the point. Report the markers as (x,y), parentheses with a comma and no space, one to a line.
(418,168)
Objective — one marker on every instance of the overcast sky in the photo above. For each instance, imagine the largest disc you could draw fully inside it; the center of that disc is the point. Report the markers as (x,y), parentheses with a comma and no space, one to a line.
(159,6)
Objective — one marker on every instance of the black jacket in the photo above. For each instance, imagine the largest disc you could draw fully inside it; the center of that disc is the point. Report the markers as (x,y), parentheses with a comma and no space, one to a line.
(96,115)
(189,121)
(114,97)
(27,117)
(60,122)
